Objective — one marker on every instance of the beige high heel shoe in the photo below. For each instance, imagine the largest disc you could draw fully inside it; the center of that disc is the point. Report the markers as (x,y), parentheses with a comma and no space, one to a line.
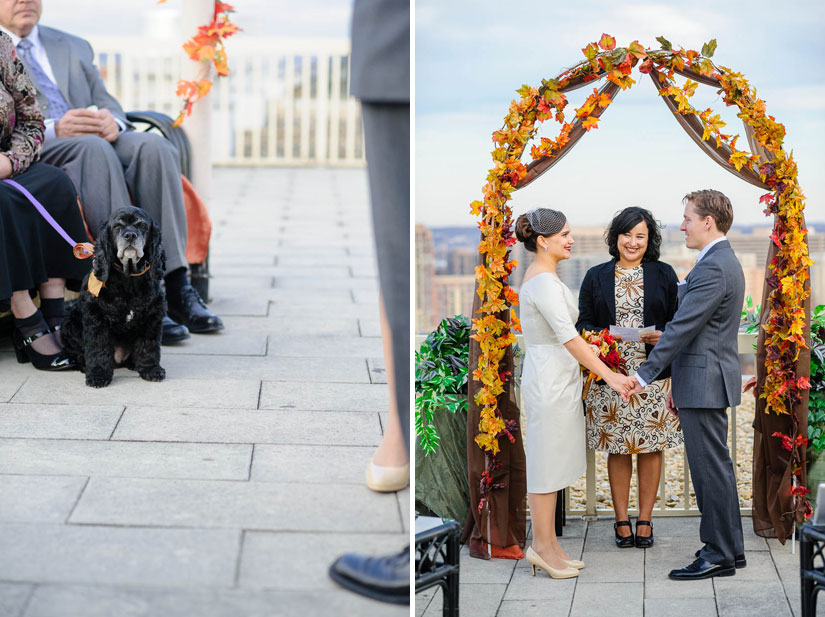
(387,479)
(573,563)
(534,559)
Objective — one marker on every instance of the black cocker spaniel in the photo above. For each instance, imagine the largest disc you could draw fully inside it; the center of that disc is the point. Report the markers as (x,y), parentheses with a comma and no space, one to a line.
(117,319)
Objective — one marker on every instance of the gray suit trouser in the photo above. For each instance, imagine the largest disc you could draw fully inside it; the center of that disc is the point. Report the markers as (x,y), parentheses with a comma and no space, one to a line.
(711,469)
(142,165)
(387,136)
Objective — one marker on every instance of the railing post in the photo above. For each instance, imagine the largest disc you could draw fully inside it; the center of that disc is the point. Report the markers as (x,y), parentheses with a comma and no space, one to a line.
(590,480)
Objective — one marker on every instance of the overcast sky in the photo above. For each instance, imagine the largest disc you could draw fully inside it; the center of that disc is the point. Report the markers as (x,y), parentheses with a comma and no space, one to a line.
(287,18)
(471,56)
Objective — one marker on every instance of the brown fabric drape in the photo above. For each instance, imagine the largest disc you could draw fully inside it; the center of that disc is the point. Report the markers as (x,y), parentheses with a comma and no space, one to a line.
(773,508)
(503,521)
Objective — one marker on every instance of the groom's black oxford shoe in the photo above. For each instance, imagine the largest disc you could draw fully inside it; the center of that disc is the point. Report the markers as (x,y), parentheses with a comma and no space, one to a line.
(700,569)
(740,561)
(384,578)
(172,331)
(187,308)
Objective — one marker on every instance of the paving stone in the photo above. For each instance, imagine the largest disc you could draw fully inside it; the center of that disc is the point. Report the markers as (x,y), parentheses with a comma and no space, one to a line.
(760,567)
(268,368)
(111,555)
(348,283)
(616,566)
(323,396)
(70,388)
(125,459)
(481,571)
(237,505)
(377,370)
(740,598)
(422,600)
(608,600)
(38,499)
(86,601)
(9,384)
(225,305)
(13,598)
(365,296)
(324,464)
(680,607)
(405,507)
(524,586)
(238,282)
(222,343)
(533,608)
(475,600)
(249,426)
(327,347)
(369,327)
(294,326)
(58,421)
(299,561)
(239,271)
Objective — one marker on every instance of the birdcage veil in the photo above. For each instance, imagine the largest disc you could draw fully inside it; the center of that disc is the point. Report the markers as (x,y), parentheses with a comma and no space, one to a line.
(545,221)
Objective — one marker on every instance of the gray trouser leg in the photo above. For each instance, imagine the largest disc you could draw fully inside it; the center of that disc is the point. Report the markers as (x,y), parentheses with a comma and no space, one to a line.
(152,173)
(387,135)
(95,171)
(706,433)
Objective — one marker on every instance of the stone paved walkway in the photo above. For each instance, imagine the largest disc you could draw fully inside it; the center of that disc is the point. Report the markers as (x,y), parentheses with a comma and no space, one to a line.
(226,490)
(629,582)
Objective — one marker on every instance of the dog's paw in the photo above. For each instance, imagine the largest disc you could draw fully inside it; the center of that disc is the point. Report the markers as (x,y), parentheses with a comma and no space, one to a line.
(98,380)
(156,373)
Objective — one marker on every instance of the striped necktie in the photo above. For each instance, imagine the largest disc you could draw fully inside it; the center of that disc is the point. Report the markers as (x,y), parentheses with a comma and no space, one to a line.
(57,104)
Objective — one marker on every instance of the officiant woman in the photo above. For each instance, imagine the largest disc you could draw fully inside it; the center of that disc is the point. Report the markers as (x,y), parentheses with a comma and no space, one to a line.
(634,289)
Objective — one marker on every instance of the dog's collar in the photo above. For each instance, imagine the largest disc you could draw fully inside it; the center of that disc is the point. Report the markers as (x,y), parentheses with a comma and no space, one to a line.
(95,284)
(141,273)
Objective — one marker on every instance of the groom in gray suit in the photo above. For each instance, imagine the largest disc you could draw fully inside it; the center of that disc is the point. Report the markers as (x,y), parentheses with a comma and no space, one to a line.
(88,136)
(700,345)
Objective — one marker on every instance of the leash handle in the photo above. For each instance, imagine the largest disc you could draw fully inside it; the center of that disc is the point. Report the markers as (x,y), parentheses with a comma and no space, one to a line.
(81,250)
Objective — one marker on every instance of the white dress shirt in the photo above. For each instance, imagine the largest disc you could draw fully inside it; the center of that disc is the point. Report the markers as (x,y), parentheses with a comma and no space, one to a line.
(42,58)
(702,253)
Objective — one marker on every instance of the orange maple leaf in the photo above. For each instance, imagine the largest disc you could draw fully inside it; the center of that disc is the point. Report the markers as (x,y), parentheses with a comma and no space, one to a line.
(607,42)
(591,122)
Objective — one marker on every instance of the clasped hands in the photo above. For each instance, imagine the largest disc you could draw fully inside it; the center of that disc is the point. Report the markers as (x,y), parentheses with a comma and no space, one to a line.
(80,122)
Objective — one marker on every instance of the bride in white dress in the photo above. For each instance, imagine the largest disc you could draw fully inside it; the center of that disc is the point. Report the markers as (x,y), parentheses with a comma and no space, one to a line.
(551,384)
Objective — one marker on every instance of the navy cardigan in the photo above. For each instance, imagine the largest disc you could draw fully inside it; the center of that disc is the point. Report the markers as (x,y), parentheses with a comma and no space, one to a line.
(597,299)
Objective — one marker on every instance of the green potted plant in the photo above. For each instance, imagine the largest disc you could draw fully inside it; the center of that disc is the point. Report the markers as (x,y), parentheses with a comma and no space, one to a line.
(441,374)
(816,403)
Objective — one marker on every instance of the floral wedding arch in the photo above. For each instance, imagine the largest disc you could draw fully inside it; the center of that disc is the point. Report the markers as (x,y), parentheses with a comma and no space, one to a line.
(783,356)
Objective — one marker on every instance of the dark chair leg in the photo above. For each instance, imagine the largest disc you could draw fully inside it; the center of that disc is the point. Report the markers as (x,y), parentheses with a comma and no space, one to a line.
(806,558)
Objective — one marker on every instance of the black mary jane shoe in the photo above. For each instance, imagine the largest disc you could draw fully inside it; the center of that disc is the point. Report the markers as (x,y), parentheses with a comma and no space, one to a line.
(621,541)
(642,541)
(25,353)
(701,569)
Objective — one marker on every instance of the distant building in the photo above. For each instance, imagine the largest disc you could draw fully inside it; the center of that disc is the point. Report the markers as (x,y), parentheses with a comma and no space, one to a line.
(453,295)
(424,273)
(462,260)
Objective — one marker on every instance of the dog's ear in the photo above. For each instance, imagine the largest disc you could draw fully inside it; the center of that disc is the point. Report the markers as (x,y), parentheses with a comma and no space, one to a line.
(103,254)
(157,256)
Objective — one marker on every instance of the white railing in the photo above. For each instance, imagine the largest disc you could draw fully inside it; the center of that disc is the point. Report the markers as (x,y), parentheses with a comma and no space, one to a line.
(590,511)
(285,102)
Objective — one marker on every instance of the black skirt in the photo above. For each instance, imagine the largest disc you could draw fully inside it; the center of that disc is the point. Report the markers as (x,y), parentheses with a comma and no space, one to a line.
(31,251)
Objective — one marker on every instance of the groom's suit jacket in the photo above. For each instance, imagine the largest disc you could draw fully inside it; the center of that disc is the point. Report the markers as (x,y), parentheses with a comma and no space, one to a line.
(72,62)
(700,343)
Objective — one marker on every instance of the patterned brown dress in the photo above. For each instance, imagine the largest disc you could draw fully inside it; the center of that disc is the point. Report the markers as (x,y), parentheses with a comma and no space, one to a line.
(643,424)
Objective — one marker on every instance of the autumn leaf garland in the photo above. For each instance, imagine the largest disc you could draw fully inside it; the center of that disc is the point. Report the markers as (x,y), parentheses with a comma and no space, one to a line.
(494,329)
(205,46)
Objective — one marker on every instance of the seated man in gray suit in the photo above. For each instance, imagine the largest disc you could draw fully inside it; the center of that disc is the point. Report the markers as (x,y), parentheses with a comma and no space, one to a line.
(88,136)
(700,345)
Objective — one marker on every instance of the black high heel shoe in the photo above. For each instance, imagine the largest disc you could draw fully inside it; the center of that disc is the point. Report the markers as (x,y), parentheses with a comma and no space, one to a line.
(621,541)
(642,541)
(25,353)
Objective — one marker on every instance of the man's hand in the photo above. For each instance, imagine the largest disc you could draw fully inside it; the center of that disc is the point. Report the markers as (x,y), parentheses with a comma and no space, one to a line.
(81,122)
(5,167)
(110,130)
(636,387)
(77,123)
(651,338)
(670,406)
(751,384)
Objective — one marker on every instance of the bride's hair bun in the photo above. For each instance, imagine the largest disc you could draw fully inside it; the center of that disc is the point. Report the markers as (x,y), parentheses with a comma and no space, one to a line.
(525,233)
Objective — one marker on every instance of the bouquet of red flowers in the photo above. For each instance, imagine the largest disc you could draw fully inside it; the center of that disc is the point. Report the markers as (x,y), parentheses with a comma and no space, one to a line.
(608,353)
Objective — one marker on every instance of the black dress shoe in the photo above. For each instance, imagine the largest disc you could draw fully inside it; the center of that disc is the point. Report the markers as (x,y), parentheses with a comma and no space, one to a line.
(173,332)
(381,578)
(644,541)
(188,309)
(700,569)
(740,561)
(622,541)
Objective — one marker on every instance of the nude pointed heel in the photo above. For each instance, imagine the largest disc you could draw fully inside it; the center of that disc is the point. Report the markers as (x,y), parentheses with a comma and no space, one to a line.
(535,560)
